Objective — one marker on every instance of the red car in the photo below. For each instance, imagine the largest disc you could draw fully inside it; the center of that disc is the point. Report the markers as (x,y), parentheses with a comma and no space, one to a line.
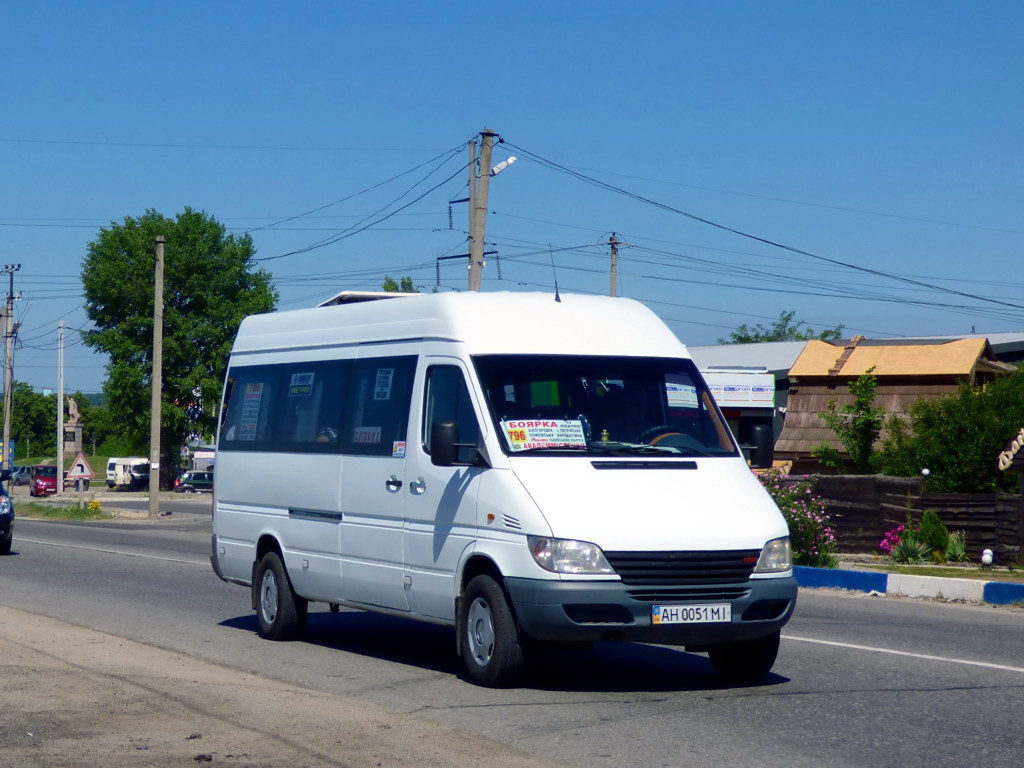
(42,480)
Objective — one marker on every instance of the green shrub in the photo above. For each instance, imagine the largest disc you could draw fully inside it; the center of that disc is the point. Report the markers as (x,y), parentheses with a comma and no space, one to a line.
(810,531)
(956,547)
(935,534)
(911,551)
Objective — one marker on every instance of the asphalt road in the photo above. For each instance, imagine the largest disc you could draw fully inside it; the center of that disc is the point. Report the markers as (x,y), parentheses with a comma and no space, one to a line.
(859,680)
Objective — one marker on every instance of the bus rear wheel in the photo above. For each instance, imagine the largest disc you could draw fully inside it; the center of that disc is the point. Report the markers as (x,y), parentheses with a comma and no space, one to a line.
(281,613)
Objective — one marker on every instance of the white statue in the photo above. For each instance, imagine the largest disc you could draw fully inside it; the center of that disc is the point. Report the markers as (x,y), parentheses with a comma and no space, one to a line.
(73,415)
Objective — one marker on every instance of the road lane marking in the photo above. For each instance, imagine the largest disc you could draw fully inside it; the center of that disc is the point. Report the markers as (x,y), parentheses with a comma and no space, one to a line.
(115,552)
(925,656)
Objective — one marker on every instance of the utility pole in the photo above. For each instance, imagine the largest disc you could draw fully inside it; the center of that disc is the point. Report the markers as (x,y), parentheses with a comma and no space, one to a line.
(613,241)
(472,196)
(10,269)
(60,408)
(155,391)
(478,210)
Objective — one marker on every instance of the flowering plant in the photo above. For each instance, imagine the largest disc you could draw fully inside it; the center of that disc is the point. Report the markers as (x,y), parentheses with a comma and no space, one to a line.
(810,530)
(890,539)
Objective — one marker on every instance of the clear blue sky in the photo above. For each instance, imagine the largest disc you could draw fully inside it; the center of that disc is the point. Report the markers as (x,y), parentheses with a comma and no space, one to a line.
(885,135)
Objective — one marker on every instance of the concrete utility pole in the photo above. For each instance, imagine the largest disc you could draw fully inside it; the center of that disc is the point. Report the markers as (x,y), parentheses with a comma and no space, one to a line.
(613,241)
(60,408)
(478,211)
(10,269)
(158,357)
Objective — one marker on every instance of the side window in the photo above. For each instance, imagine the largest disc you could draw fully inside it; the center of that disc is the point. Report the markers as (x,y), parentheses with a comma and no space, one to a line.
(447,399)
(295,407)
(376,414)
(248,417)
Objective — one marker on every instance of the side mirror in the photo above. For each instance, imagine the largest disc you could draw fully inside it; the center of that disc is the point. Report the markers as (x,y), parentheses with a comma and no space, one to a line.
(762,451)
(443,451)
(5,474)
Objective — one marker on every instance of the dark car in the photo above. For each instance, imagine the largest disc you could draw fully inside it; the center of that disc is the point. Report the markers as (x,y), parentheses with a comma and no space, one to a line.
(6,519)
(42,480)
(194,482)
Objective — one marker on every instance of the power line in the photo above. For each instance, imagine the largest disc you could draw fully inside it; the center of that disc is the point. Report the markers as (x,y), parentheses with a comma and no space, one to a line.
(663,206)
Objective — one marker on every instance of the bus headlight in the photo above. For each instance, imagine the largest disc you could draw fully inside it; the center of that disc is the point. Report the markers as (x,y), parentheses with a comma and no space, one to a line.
(568,556)
(775,557)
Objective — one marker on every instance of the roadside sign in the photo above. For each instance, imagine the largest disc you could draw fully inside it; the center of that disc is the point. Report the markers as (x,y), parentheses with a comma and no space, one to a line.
(80,469)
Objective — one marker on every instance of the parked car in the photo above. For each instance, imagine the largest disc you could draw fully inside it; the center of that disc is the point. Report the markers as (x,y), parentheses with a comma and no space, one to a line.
(20,475)
(74,483)
(6,520)
(194,482)
(42,480)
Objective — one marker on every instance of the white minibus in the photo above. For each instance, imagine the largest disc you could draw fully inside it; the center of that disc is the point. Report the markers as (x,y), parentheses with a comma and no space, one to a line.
(530,469)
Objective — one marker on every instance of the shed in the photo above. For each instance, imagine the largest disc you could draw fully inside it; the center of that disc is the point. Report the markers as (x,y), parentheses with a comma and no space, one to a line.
(906,370)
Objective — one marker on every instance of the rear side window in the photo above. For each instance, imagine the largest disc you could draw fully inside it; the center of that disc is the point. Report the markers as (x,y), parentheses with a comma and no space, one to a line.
(337,406)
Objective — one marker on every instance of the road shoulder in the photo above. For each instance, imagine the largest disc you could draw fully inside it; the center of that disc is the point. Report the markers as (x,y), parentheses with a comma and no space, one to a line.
(79,697)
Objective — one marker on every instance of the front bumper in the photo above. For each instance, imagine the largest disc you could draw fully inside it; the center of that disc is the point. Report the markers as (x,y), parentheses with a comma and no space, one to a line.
(568,611)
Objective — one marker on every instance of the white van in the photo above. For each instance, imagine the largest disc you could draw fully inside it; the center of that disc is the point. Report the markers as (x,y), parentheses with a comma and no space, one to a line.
(131,472)
(530,470)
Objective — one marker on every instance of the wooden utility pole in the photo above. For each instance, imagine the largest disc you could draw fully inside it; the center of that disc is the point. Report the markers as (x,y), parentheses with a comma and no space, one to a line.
(10,269)
(613,241)
(478,211)
(60,408)
(155,390)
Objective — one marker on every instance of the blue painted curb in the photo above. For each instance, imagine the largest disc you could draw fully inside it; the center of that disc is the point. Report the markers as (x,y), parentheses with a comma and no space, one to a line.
(836,578)
(995,592)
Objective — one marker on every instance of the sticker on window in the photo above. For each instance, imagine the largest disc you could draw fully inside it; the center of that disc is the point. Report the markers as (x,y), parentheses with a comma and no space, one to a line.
(524,434)
(250,417)
(366,436)
(398,449)
(681,395)
(382,389)
(301,385)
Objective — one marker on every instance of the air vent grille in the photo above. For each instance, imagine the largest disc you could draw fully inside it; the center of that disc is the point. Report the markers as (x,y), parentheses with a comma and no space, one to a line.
(732,566)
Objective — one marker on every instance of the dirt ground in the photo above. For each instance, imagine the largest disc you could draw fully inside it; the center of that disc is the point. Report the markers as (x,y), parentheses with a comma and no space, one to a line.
(73,697)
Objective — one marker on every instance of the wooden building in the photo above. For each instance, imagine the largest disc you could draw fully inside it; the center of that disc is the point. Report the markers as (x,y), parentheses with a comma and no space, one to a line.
(906,370)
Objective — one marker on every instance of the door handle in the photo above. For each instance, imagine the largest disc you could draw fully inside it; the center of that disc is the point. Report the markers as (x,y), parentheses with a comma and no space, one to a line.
(393,483)
(419,485)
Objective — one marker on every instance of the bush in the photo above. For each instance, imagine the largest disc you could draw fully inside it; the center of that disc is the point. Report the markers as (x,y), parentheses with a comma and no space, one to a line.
(956,548)
(810,530)
(911,551)
(935,534)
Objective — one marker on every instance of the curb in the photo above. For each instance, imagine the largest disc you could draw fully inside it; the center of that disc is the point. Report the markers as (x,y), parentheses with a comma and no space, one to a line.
(973,590)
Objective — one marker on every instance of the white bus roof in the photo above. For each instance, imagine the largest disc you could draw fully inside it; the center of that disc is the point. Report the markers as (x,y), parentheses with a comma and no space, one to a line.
(486,323)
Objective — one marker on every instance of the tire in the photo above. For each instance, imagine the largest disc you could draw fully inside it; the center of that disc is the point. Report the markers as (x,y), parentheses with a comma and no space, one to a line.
(492,651)
(747,661)
(5,543)
(280,612)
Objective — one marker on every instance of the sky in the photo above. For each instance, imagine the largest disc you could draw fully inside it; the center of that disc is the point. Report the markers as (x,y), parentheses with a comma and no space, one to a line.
(856,163)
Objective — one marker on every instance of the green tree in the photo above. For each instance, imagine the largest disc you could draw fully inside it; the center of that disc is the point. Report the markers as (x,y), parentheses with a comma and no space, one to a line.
(33,421)
(405,286)
(785,328)
(210,284)
(857,424)
(958,437)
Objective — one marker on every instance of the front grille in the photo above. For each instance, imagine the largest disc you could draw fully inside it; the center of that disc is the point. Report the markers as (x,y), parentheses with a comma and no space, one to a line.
(732,566)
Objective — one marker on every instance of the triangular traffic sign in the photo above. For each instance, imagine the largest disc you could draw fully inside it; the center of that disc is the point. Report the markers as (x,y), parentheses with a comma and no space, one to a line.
(80,469)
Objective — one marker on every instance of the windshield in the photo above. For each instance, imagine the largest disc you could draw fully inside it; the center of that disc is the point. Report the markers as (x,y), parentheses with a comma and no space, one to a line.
(46,471)
(616,405)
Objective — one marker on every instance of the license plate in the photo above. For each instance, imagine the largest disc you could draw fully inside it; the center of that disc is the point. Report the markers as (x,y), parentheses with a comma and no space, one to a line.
(711,613)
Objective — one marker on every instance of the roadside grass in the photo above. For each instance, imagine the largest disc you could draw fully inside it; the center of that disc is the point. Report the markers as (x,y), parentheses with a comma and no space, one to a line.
(953,572)
(35,511)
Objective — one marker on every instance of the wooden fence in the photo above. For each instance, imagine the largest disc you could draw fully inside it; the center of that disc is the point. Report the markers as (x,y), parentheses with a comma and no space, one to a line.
(863,507)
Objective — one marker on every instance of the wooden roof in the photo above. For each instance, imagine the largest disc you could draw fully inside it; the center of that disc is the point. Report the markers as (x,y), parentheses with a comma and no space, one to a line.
(960,359)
